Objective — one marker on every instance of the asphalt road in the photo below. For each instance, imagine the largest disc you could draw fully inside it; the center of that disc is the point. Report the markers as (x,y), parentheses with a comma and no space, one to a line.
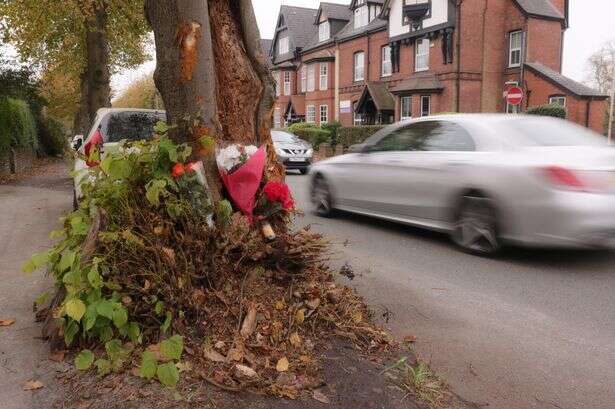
(529,329)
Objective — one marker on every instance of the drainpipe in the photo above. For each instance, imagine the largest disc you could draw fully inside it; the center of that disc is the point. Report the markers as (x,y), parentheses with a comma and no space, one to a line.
(484,56)
(337,83)
(458,84)
(587,114)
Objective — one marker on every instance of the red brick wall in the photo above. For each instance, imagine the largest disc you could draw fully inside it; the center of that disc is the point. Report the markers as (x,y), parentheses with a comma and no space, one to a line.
(544,42)
(539,90)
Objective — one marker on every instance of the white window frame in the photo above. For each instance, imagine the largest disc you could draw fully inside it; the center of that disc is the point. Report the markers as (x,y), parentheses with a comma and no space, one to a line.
(303,78)
(428,98)
(324,31)
(310,114)
(326,114)
(421,59)
(323,84)
(361,16)
(311,78)
(283,46)
(286,82)
(386,68)
(555,98)
(359,69)
(401,107)
(516,50)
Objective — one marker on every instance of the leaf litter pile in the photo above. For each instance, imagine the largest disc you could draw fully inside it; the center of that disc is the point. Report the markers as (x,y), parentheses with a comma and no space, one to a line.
(154,281)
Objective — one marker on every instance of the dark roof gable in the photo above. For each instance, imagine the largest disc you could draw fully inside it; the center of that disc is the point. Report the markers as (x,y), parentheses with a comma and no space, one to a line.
(300,24)
(333,11)
(540,8)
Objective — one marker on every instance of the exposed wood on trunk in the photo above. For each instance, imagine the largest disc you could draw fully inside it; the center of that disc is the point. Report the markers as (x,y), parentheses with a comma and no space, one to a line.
(95,79)
(52,330)
(230,88)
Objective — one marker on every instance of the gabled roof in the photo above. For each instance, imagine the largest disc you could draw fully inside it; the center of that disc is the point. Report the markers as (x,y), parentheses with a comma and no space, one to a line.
(349,32)
(564,82)
(540,8)
(353,2)
(379,93)
(334,11)
(300,23)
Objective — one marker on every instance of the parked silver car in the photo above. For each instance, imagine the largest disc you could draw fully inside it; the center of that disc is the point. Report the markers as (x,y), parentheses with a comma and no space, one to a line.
(292,152)
(487,179)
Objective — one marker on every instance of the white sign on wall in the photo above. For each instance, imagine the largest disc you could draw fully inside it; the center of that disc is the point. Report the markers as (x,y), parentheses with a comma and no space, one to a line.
(345,107)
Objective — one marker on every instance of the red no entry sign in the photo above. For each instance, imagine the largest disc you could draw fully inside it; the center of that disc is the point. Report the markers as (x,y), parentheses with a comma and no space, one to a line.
(514,96)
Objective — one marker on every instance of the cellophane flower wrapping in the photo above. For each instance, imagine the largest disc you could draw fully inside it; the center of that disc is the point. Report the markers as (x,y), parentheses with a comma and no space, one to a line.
(241,169)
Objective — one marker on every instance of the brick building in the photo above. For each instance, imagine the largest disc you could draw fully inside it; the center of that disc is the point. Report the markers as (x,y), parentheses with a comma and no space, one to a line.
(380,61)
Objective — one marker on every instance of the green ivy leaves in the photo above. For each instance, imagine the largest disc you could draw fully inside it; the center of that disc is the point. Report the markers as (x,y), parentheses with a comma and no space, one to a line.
(75,309)
(168,375)
(173,347)
(84,360)
(148,365)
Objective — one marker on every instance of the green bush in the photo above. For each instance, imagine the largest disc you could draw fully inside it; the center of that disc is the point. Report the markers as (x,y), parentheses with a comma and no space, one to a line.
(52,136)
(299,126)
(333,128)
(17,125)
(352,135)
(554,110)
(314,135)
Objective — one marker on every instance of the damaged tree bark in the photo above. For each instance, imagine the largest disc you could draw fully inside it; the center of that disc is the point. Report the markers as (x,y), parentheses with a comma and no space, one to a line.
(210,65)
(95,80)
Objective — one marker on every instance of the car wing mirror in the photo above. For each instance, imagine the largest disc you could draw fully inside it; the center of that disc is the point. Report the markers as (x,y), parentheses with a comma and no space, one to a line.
(77,142)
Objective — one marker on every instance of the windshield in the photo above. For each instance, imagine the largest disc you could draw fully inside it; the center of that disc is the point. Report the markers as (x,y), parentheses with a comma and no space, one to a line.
(278,136)
(130,125)
(552,132)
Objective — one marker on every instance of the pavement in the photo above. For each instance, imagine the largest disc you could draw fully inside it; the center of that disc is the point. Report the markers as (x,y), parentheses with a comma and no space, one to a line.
(29,210)
(529,329)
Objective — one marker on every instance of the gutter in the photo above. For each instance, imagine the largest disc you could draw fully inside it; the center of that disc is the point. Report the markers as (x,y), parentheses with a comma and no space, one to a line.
(458,84)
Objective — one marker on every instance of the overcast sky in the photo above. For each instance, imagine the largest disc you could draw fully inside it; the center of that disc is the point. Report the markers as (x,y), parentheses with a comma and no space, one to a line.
(591,24)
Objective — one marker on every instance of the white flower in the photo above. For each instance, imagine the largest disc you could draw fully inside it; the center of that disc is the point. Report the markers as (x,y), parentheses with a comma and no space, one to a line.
(231,156)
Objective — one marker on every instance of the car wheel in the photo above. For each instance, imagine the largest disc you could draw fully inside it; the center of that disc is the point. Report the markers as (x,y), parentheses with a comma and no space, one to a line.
(321,197)
(304,171)
(475,229)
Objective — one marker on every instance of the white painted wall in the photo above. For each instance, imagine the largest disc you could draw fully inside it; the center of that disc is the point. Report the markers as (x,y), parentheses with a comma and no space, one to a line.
(439,15)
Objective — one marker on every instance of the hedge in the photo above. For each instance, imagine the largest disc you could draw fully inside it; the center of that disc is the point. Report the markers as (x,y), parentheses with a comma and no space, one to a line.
(313,135)
(554,110)
(352,135)
(17,125)
(52,136)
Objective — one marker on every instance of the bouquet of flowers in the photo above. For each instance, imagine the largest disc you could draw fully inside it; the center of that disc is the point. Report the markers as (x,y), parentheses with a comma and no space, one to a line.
(241,169)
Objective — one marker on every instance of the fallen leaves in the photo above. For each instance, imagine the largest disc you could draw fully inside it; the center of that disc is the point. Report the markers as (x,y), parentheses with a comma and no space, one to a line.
(32,385)
(213,355)
(300,316)
(282,365)
(6,323)
(242,371)
(320,397)
(295,339)
(57,356)
(249,323)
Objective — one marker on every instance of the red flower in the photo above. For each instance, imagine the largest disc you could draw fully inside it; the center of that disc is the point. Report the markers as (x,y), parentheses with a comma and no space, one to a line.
(178,170)
(279,192)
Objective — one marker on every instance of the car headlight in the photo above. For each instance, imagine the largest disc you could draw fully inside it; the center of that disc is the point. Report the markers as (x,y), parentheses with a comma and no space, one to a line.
(309,152)
(279,151)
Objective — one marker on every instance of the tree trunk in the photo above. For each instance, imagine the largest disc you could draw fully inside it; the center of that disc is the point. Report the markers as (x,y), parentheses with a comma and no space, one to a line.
(210,66)
(95,79)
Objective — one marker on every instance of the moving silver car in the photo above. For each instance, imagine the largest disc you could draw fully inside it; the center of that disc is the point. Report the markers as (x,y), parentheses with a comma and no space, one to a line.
(292,152)
(487,179)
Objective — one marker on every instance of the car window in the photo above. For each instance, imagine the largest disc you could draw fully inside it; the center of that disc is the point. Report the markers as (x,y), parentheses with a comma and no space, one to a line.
(279,136)
(443,136)
(131,126)
(402,139)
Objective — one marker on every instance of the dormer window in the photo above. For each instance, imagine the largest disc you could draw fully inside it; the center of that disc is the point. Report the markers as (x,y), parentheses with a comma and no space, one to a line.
(361,14)
(283,46)
(324,31)
(415,11)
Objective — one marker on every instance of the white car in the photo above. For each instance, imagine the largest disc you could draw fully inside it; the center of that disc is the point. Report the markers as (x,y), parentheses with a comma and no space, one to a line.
(111,126)
(487,179)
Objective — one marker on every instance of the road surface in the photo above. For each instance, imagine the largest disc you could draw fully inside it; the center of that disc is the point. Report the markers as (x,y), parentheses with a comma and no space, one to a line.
(530,329)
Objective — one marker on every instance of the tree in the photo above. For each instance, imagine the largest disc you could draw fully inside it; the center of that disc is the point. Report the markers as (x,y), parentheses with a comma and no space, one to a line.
(210,65)
(88,39)
(602,71)
(142,93)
